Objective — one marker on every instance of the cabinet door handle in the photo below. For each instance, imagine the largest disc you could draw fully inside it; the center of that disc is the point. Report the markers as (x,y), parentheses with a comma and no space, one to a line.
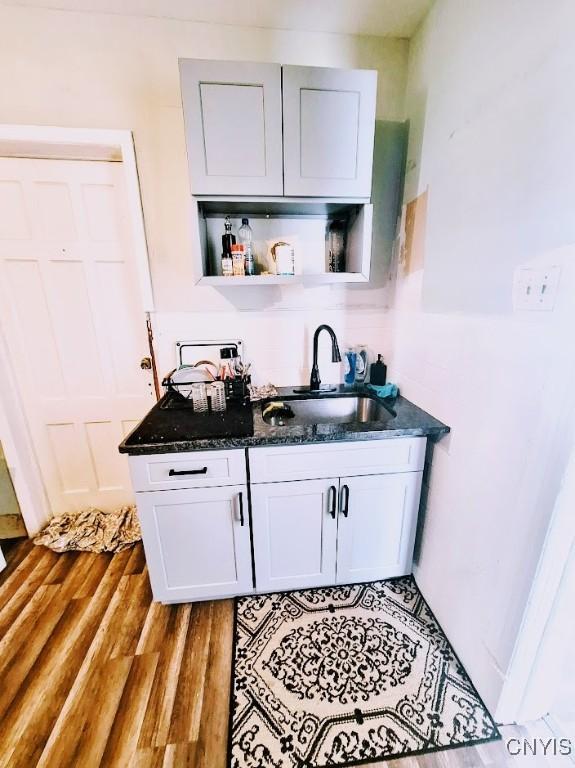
(174,472)
(332,499)
(241,503)
(344,503)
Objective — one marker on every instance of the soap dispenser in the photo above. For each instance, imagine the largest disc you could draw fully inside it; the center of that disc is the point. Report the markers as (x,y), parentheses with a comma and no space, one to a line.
(378,372)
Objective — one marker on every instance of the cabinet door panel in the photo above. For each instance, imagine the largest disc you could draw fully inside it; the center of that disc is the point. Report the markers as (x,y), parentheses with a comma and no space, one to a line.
(329,128)
(232,113)
(375,540)
(294,534)
(195,544)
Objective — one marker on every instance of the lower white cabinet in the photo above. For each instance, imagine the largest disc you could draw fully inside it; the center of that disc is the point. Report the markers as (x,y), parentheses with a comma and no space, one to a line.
(294,532)
(376,526)
(299,531)
(197,542)
(311,533)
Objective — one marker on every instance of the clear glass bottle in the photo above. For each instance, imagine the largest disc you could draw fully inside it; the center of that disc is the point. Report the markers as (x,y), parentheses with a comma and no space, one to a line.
(336,246)
(246,237)
(228,238)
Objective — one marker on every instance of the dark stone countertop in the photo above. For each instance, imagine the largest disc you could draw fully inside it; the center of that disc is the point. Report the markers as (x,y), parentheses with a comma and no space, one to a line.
(174,431)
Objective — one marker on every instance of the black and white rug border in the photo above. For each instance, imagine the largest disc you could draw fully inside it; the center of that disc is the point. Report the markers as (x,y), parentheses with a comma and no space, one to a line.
(369,761)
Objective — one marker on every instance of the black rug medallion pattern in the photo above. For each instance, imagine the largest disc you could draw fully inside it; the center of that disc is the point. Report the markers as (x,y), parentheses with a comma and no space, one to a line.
(340,676)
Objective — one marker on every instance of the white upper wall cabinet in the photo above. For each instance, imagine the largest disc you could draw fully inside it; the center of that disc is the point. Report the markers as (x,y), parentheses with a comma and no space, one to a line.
(329,128)
(233,119)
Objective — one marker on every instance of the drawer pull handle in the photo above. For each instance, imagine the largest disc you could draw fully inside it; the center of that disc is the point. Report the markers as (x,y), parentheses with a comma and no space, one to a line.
(344,504)
(175,472)
(241,501)
(332,497)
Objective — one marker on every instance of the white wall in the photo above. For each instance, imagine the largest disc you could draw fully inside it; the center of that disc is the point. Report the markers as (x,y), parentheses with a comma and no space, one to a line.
(543,665)
(99,70)
(491,138)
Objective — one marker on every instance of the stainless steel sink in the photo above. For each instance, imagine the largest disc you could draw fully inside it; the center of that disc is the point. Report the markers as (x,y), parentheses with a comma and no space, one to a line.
(331,410)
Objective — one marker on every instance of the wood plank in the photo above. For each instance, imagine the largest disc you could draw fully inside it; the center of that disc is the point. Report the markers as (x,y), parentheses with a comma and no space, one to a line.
(156,724)
(19,660)
(23,594)
(213,735)
(24,626)
(87,586)
(105,686)
(150,757)
(102,607)
(135,612)
(84,570)
(188,705)
(182,756)
(137,561)
(124,734)
(10,581)
(155,628)
(64,564)
(35,709)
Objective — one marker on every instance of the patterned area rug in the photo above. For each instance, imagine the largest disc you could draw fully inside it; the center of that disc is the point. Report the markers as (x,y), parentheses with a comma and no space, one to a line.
(341,676)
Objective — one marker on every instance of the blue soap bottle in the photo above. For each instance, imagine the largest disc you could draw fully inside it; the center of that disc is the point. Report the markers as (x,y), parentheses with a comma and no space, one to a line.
(350,360)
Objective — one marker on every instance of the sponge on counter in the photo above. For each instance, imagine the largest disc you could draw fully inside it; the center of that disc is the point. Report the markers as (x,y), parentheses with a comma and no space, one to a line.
(385,390)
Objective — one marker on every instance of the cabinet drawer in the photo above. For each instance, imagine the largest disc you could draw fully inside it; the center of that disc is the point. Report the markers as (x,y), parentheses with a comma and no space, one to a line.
(303,462)
(202,469)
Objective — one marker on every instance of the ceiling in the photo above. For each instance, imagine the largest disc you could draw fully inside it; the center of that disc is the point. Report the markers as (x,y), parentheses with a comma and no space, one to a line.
(382,18)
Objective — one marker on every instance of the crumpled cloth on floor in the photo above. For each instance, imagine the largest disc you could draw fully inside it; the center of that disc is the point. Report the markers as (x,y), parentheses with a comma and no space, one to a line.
(92,530)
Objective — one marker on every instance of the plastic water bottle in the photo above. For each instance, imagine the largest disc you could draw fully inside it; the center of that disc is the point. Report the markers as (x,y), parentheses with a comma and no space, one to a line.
(245,235)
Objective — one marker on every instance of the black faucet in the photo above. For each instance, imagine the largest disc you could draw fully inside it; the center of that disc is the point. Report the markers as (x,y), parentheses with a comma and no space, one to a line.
(315,381)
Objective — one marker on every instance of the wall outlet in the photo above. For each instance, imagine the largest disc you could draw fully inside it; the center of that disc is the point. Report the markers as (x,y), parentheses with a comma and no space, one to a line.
(535,288)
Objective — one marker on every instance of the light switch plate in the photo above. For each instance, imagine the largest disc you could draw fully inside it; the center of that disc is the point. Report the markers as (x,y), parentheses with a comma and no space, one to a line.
(535,288)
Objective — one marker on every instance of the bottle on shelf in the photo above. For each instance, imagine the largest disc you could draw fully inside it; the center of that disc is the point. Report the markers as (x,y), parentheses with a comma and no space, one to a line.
(227,265)
(336,246)
(228,238)
(238,260)
(245,235)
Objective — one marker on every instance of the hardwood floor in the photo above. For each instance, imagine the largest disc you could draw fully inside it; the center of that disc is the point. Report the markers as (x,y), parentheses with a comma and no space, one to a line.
(94,674)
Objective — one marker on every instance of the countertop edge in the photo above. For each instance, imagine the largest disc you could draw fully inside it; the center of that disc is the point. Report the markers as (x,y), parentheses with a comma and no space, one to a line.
(219,444)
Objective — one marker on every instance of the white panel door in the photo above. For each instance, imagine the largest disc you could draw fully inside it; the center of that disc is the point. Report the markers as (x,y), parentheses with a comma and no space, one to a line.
(197,542)
(294,534)
(376,526)
(71,314)
(329,129)
(233,120)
